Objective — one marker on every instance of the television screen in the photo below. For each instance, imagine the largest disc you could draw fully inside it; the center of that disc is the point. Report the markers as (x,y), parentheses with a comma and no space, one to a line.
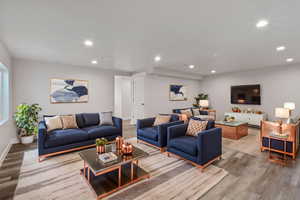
(245,94)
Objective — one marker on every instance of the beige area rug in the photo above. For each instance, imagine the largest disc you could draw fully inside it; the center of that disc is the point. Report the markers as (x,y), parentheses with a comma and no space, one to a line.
(59,178)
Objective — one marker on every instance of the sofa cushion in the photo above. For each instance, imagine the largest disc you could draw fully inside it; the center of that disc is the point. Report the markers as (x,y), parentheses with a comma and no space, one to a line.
(174,117)
(187,112)
(64,137)
(91,119)
(196,111)
(149,132)
(195,127)
(53,123)
(106,118)
(161,119)
(186,144)
(95,132)
(210,123)
(79,120)
(203,112)
(69,121)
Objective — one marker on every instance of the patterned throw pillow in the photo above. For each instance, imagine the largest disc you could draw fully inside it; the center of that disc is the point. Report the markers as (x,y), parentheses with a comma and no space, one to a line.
(161,119)
(69,121)
(53,123)
(196,111)
(187,112)
(195,127)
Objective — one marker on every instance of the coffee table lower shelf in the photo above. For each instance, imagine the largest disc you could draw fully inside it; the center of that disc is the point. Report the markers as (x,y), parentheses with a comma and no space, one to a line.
(108,183)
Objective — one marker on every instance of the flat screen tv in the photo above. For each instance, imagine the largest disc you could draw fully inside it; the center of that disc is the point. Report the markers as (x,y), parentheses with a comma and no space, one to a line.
(245,94)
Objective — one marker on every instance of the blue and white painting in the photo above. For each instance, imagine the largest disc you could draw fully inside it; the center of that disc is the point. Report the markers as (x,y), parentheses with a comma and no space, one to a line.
(178,93)
(69,91)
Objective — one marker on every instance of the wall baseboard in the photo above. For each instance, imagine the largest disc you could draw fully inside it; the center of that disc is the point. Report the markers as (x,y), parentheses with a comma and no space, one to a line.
(7,148)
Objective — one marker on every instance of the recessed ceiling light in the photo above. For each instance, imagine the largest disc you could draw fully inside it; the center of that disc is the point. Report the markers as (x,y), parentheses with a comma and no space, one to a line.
(280,48)
(157,58)
(289,59)
(94,62)
(88,43)
(262,23)
(192,66)
(213,71)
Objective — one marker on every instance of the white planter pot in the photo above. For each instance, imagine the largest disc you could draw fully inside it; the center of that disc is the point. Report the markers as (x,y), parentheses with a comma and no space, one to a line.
(27,139)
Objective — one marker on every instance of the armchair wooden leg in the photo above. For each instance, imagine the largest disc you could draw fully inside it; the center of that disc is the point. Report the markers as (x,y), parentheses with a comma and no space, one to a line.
(168,154)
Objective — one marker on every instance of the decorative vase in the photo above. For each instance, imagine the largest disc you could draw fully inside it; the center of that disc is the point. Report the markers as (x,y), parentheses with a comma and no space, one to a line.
(27,139)
(127,148)
(100,149)
(119,142)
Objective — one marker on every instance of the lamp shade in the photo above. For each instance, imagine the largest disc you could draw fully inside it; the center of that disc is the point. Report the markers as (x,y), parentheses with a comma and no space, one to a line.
(289,105)
(282,112)
(204,103)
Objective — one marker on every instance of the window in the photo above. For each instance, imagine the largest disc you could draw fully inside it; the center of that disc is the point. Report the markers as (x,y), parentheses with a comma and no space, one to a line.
(4,93)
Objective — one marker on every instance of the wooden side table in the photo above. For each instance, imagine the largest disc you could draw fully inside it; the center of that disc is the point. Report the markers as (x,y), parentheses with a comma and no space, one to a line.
(274,156)
(288,146)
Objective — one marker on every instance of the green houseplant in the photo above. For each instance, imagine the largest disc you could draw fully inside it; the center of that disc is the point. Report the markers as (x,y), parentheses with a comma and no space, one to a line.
(100,144)
(26,118)
(201,96)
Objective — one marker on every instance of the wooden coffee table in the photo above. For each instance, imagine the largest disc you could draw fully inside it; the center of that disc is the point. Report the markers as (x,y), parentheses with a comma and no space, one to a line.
(105,179)
(233,130)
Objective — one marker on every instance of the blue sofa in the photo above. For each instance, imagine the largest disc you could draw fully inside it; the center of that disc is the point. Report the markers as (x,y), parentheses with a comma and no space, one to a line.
(155,135)
(178,111)
(67,140)
(201,150)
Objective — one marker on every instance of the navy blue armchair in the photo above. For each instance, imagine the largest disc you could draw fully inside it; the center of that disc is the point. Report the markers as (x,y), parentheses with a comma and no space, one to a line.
(201,150)
(155,135)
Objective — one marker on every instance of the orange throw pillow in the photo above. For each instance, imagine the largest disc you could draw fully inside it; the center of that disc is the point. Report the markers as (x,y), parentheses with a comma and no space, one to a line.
(187,112)
(69,121)
(161,119)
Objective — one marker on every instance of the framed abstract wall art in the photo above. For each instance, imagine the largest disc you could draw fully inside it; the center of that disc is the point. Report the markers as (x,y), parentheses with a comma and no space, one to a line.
(68,91)
(177,93)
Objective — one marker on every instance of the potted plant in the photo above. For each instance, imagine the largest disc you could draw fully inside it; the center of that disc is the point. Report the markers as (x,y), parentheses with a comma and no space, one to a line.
(198,98)
(26,118)
(100,145)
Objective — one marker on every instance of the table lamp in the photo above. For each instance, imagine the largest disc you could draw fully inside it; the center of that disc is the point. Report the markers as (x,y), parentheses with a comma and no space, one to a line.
(282,113)
(291,106)
(204,103)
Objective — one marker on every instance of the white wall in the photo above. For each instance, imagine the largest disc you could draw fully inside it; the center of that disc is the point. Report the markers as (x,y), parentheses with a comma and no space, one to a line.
(32,85)
(7,130)
(278,85)
(157,94)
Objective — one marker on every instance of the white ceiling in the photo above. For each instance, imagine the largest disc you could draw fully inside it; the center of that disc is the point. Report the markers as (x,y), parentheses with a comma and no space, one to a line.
(210,34)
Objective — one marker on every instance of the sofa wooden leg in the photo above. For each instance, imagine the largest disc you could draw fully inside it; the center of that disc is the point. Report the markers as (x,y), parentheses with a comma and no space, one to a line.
(168,154)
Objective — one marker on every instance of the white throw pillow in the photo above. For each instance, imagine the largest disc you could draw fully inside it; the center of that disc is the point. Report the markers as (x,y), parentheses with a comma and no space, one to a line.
(53,123)
(106,118)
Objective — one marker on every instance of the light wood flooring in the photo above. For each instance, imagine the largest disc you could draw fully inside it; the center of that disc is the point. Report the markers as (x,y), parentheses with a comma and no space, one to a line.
(251,176)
